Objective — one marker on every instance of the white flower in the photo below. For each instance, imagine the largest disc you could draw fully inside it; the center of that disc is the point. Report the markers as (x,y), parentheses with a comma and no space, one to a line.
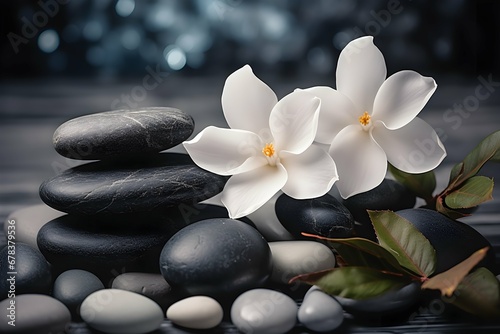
(268,148)
(370,120)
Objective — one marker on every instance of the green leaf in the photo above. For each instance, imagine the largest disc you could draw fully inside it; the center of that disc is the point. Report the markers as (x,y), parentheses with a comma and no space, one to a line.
(363,253)
(422,185)
(412,250)
(474,191)
(487,149)
(448,281)
(479,294)
(354,282)
(453,214)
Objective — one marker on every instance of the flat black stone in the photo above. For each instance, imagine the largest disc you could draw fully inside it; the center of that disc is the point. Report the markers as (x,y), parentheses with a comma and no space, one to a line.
(122,133)
(389,195)
(165,180)
(105,246)
(324,216)
(216,257)
(33,272)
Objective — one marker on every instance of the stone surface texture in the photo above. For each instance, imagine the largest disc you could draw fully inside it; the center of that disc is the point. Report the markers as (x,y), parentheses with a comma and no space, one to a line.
(164,180)
(122,133)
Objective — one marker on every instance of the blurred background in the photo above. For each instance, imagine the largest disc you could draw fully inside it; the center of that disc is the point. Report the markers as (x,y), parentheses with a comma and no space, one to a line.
(112,39)
(60,59)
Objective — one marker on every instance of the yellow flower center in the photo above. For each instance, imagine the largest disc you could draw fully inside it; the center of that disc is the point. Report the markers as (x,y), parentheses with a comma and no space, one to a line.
(268,150)
(364,119)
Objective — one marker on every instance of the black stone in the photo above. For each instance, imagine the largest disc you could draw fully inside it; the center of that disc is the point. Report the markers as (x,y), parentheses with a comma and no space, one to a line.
(122,133)
(33,272)
(324,216)
(105,246)
(166,180)
(389,303)
(73,286)
(216,257)
(389,195)
(454,241)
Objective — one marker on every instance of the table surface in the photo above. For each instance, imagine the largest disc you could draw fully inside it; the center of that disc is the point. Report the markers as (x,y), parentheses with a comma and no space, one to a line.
(30,111)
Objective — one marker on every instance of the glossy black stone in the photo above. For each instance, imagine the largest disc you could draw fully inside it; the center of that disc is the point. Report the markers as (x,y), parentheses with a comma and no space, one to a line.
(32,271)
(389,195)
(391,302)
(454,241)
(122,133)
(324,216)
(105,246)
(164,180)
(73,286)
(216,257)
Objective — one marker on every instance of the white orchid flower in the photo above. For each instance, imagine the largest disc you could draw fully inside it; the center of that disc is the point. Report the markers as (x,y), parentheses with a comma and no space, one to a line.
(268,148)
(370,120)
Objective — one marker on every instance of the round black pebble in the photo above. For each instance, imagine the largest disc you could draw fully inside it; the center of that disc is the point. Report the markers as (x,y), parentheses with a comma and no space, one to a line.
(324,216)
(73,286)
(216,257)
(32,271)
(454,241)
(389,195)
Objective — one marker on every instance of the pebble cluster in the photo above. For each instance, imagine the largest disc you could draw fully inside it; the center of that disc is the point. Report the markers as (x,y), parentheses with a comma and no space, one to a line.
(124,242)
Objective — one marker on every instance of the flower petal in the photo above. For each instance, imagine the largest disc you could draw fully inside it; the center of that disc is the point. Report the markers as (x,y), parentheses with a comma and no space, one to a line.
(310,174)
(244,193)
(294,121)
(360,72)
(414,148)
(247,101)
(361,163)
(268,224)
(226,151)
(336,112)
(401,97)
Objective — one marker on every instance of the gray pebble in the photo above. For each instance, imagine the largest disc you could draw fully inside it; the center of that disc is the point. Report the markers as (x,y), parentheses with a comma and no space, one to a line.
(320,312)
(150,285)
(264,311)
(33,313)
(121,312)
(292,258)
(28,221)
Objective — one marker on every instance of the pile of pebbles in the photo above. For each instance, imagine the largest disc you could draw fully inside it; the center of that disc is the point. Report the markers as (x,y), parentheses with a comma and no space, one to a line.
(123,242)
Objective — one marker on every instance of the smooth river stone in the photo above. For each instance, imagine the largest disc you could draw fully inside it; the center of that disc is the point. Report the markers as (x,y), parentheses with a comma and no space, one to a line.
(33,272)
(122,133)
(324,216)
(391,302)
(389,195)
(164,180)
(150,285)
(196,312)
(34,314)
(29,220)
(121,312)
(453,241)
(264,311)
(292,258)
(320,312)
(104,248)
(216,257)
(73,286)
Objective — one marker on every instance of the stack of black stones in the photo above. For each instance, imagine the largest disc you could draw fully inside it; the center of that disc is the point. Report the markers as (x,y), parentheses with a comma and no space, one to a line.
(135,246)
